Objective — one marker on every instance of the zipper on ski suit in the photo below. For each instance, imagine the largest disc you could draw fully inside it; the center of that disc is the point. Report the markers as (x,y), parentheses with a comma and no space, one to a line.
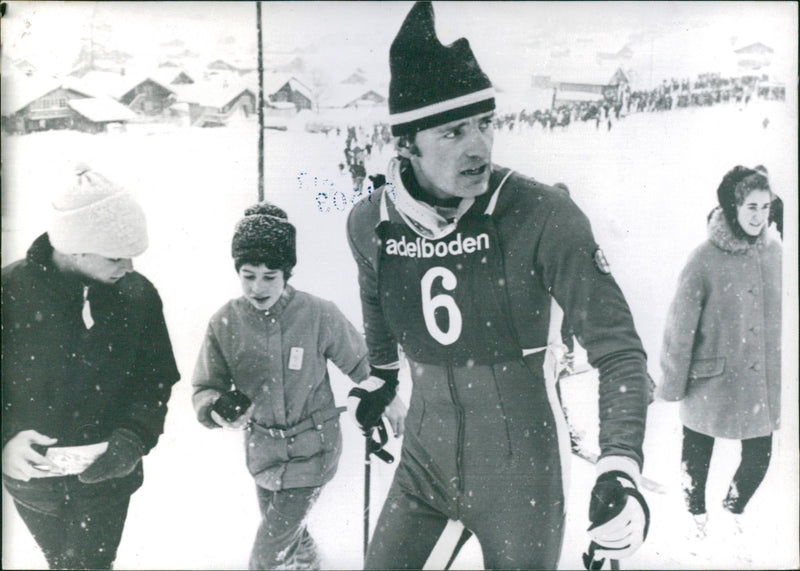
(460,425)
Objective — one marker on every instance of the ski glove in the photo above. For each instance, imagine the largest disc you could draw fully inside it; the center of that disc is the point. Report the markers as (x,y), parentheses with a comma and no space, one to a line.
(370,398)
(620,518)
(124,452)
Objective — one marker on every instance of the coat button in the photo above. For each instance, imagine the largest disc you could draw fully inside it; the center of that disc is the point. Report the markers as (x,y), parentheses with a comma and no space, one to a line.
(754,329)
(756,367)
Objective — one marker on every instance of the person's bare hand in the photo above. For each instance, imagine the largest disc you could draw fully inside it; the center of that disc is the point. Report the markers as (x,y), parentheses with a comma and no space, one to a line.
(22,462)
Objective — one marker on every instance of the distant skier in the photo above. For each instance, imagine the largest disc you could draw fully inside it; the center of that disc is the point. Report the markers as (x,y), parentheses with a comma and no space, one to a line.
(358,173)
(721,355)
(458,259)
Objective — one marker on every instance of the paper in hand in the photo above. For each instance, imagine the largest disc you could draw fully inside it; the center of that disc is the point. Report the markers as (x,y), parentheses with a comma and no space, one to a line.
(72,459)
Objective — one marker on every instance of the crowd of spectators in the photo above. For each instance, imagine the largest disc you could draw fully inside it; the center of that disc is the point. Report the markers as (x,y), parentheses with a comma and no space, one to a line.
(361,141)
(708,89)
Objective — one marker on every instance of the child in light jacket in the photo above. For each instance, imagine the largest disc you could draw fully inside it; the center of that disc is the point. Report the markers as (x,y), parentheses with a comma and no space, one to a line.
(273,345)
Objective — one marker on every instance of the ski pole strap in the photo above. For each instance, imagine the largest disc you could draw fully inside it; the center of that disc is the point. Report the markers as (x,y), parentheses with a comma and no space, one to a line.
(592,564)
(589,560)
(376,446)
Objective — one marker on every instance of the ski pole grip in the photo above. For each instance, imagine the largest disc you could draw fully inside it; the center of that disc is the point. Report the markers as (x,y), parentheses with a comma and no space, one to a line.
(376,446)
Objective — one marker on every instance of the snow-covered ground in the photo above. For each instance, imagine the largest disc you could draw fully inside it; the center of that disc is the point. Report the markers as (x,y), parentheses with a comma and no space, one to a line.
(647,186)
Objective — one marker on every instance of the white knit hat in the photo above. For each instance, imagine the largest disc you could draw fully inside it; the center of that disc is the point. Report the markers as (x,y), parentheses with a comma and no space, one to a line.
(95,216)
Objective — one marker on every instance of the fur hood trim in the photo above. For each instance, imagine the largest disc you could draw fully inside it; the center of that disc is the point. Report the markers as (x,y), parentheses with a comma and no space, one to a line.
(721,235)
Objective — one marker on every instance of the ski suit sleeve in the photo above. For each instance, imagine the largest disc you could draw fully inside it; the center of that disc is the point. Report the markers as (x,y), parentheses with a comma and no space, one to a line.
(155,372)
(575,272)
(343,344)
(211,378)
(679,333)
(364,246)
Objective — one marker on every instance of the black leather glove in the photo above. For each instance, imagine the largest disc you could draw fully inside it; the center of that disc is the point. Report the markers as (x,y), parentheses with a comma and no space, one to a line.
(370,398)
(620,518)
(124,452)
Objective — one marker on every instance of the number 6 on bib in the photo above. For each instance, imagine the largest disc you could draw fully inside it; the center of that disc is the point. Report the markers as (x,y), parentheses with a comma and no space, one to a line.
(442,300)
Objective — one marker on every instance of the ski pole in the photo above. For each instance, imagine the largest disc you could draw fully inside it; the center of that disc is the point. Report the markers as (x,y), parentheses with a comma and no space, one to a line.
(367,452)
(371,447)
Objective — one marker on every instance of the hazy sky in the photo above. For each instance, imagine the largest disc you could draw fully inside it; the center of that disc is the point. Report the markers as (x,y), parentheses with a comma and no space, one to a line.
(506,36)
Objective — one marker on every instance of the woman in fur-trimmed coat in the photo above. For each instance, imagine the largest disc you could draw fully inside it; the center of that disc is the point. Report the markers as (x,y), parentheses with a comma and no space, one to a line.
(721,355)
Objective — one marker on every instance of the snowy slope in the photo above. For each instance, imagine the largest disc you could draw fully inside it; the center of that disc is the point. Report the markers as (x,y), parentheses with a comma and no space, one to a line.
(647,186)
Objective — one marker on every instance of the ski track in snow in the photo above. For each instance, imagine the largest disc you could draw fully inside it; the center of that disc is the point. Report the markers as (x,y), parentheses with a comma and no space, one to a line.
(646,186)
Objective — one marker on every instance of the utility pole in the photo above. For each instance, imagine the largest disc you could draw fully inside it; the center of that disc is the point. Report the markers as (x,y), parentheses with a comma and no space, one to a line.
(260,105)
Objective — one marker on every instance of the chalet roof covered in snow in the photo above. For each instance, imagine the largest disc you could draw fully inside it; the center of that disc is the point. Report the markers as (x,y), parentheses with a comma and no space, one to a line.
(275,81)
(598,72)
(114,85)
(209,93)
(169,76)
(102,110)
(352,94)
(756,48)
(20,90)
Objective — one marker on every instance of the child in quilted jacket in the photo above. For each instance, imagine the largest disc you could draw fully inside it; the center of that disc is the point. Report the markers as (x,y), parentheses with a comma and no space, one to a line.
(272,346)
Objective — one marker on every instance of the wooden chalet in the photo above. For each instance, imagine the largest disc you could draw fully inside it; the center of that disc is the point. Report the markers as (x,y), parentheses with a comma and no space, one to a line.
(148,97)
(346,96)
(281,87)
(214,104)
(141,93)
(42,104)
(754,57)
(96,114)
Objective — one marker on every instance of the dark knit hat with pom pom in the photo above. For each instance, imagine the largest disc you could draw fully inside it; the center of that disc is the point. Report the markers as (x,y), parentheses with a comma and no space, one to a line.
(265,235)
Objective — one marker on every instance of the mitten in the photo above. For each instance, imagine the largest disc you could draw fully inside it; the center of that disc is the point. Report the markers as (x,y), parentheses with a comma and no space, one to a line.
(619,515)
(124,452)
(370,398)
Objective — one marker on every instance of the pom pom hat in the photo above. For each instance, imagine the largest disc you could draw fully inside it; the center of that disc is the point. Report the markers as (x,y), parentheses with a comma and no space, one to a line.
(265,235)
(432,84)
(95,216)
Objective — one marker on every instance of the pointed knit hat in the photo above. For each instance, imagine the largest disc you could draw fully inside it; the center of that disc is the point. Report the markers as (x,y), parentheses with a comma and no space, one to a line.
(432,84)
(96,216)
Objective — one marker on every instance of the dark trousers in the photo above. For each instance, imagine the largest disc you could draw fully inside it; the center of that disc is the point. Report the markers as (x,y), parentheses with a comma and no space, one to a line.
(74,532)
(282,540)
(408,529)
(76,525)
(696,459)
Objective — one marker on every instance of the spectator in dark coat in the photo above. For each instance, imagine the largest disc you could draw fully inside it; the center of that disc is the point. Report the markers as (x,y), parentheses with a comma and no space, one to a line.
(87,364)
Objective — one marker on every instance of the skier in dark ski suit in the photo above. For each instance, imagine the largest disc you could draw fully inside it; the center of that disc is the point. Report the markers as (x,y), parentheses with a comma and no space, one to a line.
(458,259)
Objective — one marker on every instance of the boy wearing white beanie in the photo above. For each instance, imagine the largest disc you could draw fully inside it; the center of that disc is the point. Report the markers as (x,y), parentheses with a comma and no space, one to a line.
(87,372)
